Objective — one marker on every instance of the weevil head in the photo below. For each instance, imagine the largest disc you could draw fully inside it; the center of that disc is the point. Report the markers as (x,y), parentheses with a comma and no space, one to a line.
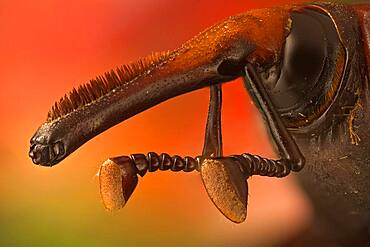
(217,55)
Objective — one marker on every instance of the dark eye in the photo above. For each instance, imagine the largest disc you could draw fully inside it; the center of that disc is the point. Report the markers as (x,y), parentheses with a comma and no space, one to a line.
(304,58)
(308,66)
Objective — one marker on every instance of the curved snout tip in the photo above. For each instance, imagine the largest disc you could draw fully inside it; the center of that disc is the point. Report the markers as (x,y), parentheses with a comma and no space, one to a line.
(46,155)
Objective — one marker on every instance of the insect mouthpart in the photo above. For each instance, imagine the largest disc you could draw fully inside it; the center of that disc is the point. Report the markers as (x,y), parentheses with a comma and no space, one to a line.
(46,154)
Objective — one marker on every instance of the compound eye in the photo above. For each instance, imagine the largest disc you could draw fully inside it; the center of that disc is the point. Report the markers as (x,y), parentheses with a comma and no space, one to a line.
(304,58)
(312,59)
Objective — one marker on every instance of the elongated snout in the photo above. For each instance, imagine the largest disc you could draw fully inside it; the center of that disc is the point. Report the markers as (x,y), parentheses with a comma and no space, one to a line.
(217,55)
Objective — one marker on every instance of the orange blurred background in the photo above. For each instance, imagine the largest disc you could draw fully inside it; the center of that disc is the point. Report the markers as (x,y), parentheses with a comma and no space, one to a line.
(46,48)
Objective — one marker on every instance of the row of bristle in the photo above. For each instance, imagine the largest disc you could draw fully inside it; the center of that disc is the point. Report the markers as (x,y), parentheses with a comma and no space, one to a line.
(102,85)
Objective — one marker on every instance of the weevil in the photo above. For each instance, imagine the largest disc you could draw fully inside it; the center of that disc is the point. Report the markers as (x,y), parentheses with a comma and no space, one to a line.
(307,69)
